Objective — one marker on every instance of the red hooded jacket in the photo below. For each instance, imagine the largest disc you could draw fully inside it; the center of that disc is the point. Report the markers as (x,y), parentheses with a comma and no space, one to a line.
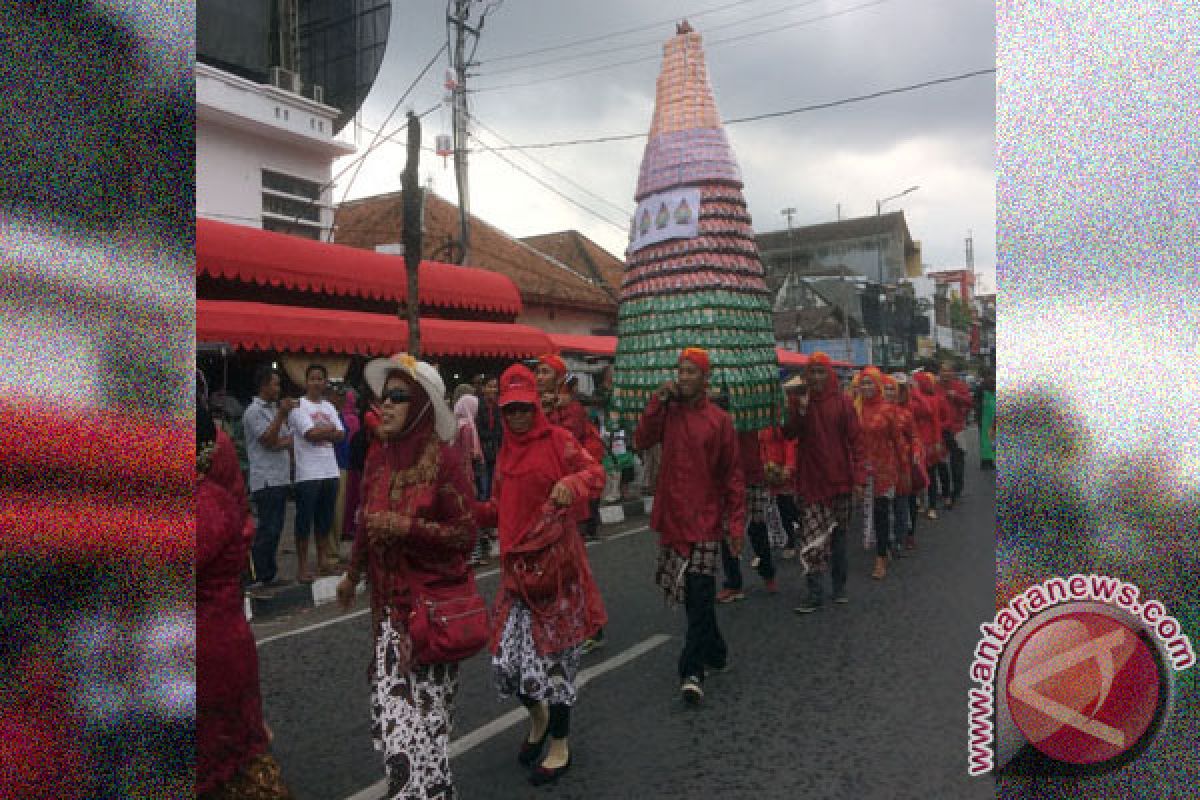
(958,401)
(776,449)
(830,459)
(700,482)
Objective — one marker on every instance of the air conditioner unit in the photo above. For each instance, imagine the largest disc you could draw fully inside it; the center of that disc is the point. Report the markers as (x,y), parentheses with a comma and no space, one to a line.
(285,79)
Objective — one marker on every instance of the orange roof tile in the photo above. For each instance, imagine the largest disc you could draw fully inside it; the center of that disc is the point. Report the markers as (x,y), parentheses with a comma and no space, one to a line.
(583,255)
(540,277)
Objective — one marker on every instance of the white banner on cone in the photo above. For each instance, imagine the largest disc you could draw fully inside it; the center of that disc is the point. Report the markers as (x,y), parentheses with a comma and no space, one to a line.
(666,215)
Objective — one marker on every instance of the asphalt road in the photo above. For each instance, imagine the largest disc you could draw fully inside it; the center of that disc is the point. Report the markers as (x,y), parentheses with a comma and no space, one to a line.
(866,700)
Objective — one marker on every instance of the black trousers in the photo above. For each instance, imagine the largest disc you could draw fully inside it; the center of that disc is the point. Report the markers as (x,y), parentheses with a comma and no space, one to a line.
(790,516)
(954,474)
(703,645)
(757,534)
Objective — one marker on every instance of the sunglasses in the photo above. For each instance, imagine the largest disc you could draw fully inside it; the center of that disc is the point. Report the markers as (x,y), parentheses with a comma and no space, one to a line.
(518,408)
(396,396)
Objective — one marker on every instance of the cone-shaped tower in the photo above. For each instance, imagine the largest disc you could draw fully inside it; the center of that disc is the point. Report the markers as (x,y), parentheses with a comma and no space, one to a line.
(693,275)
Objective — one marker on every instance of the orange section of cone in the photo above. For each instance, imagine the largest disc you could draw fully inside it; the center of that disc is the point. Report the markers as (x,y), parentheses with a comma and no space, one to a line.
(684,98)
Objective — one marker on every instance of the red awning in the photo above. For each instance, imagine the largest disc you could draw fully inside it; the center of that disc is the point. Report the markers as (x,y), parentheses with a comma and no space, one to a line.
(259,326)
(791,360)
(592,345)
(265,258)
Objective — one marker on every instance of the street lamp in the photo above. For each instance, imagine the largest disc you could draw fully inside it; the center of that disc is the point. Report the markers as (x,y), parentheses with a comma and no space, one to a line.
(878,212)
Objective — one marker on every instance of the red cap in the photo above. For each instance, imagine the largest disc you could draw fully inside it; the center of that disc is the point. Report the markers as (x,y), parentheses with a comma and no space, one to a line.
(517,385)
(554,362)
(697,356)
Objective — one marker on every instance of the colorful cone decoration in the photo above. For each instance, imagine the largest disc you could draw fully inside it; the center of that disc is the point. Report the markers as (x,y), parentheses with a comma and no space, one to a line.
(693,275)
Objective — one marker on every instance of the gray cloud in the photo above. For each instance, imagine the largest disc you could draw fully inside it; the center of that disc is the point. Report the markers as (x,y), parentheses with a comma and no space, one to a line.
(941,137)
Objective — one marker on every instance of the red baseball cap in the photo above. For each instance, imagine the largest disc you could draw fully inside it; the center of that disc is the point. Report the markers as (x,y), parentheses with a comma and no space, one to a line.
(517,385)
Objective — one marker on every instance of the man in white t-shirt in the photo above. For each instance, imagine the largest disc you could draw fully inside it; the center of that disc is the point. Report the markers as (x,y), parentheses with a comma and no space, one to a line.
(315,429)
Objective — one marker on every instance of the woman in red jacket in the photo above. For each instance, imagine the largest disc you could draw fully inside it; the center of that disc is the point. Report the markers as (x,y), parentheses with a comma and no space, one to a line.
(415,527)
(541,472)
(880,437)
(937,423)
(231,737)
(908,454)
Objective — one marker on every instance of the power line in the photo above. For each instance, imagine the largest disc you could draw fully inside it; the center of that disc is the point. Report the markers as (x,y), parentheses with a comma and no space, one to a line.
(614,34)
(619,209)
(388,119)
(787,112)
(652,43)
(623,228)
(716,43)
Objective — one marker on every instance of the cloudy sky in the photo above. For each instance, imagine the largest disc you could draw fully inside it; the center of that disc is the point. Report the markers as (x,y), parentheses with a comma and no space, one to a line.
(783,55)
(1099,217)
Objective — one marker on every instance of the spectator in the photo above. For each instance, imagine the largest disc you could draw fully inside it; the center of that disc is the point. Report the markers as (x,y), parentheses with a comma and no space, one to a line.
(315,430)
(268,448)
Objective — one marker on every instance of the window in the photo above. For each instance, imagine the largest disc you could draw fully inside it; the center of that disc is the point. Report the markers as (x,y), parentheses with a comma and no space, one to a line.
(292,229)
(293,209)
(289,184)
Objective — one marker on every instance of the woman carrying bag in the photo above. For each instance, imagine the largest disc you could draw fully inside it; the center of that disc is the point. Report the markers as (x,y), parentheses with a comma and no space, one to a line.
(415,530)
(547,604)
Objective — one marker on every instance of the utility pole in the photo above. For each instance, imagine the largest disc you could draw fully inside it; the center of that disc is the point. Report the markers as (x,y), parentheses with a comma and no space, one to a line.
(413,213)
(462,12)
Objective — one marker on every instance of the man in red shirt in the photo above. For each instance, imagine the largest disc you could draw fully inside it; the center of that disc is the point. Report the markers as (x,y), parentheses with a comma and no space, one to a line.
(830,464)
(958,398)
(699,486)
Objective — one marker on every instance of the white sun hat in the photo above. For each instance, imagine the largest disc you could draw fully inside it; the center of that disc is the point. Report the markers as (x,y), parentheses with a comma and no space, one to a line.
(377,371)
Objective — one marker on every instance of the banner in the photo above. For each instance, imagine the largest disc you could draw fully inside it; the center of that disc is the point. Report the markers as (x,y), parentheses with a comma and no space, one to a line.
(666,215)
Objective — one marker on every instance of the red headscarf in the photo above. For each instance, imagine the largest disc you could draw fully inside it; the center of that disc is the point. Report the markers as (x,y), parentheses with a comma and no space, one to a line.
(527,465)
(555,363)
(403,450)
(925,381)
(697,356)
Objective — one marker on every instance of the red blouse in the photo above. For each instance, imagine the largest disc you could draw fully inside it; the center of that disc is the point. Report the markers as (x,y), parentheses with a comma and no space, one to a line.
(229,721)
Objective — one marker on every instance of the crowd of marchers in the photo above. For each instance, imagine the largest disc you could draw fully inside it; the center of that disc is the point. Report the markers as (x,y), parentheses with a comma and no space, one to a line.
(524,462)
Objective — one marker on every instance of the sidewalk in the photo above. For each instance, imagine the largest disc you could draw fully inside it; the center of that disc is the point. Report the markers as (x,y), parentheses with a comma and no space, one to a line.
(264,604)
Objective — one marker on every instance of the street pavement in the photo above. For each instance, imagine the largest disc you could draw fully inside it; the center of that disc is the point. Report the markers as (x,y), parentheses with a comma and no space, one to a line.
(865,700)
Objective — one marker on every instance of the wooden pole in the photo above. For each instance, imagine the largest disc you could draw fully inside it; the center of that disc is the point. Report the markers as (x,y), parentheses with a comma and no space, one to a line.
(413,212)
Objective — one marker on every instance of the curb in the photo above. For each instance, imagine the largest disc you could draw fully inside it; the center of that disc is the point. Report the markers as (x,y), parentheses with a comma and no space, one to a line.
(270,603)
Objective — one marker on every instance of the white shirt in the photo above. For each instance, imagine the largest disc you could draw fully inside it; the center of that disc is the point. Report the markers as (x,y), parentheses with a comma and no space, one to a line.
(314,460)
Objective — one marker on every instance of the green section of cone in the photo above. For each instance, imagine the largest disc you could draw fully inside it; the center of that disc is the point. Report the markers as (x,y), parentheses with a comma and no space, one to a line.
(735,328)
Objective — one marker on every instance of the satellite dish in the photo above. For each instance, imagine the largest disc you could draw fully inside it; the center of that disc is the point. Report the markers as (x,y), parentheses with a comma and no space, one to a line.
(339,44)
(340,47)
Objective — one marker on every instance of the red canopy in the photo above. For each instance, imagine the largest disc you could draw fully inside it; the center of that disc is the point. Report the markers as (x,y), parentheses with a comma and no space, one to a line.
(259,326)
(592,345)
(252,255)
(791,360)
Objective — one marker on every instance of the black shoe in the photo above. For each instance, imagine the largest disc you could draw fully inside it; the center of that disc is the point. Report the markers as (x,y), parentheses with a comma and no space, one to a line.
(692,691)
(840,598)
(531,751)
(714,668)
(541,776)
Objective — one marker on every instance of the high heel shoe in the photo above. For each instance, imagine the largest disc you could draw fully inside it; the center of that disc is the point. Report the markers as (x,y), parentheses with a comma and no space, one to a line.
(531,751)
(541,776)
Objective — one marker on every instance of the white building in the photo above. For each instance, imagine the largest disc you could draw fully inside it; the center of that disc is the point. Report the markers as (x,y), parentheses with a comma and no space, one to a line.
(264,155)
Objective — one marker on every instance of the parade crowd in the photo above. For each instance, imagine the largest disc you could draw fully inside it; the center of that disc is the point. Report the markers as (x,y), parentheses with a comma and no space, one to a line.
(419,479)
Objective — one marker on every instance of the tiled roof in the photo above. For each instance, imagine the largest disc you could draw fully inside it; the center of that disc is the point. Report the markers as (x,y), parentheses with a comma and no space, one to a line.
(541,279)
(583,255)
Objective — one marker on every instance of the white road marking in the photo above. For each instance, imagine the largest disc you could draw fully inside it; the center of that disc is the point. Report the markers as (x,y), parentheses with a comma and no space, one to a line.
(497,726)
(485,574)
